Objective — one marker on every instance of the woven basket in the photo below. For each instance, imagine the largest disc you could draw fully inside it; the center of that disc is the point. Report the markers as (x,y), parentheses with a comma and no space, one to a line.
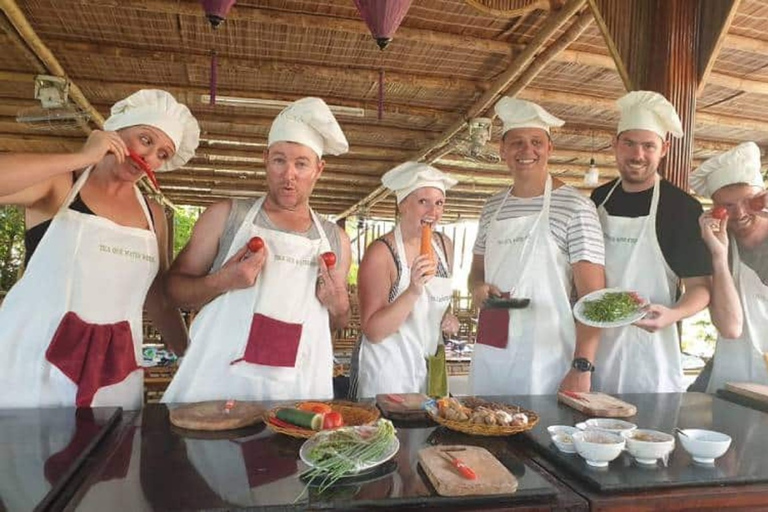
(479,429)
(354,415)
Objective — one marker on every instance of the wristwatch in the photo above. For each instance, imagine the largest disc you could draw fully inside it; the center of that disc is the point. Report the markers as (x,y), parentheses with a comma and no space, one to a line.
(582,364)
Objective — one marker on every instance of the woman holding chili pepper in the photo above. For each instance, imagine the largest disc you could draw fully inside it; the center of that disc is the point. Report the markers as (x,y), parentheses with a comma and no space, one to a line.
(405,288)
(71,327)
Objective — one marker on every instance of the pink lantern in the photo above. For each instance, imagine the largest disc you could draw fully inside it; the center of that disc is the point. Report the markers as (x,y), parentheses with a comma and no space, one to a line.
(216,10)
(383,17)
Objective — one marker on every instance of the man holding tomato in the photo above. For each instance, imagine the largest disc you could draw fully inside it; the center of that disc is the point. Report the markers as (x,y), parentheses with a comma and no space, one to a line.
(266,276)
(739,306)
(652,245)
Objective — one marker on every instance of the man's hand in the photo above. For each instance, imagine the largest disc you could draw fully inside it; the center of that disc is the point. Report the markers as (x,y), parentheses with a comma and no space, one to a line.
(331,290)
(242,269)
(714,232)
(482,291)
(576,380)
(658,317)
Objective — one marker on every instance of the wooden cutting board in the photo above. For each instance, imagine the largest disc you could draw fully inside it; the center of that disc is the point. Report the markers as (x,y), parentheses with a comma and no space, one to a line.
(758,392)
(492,476)
(403,406)
(597,404)
(213,416)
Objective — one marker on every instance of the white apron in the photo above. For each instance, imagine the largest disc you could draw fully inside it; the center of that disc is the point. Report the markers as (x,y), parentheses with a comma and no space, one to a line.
(522,256)
(92,267)
(630,359)
(397,363)
(213,367)
(741,359)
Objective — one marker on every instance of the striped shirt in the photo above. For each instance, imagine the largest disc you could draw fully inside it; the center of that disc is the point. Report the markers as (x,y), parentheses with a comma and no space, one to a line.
(573,222)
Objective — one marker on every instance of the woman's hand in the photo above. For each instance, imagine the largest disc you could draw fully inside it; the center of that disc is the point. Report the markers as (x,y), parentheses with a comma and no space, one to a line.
(100,143)
(422,270)
(450,325)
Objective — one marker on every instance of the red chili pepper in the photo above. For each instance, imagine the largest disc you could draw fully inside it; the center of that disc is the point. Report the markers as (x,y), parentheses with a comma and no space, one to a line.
(573,395)
(145,167)
(463,469)
(396,398)
(282,424)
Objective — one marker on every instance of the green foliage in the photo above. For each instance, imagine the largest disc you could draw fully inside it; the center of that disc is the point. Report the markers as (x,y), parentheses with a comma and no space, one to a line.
(11,245)
(184,220)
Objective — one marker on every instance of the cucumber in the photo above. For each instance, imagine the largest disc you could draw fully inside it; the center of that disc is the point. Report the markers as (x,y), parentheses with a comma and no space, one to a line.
(304,419)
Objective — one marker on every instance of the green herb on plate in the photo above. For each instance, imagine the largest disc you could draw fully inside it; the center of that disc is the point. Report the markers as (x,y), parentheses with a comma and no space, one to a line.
(612,307)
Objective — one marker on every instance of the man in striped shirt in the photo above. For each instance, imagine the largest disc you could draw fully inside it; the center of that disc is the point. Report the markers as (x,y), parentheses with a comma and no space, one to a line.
(538,239)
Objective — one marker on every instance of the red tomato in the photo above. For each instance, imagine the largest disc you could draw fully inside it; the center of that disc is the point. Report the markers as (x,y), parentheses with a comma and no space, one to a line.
(757,203)
(329,258)
(332,419)
(719,213)
(255,244)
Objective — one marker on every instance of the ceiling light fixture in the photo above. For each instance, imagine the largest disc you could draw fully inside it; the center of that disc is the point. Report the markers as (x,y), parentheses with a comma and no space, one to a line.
(236,101)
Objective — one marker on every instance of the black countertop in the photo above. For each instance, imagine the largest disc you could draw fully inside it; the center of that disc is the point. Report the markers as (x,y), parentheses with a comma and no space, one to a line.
(744,462)
(42,449)
(170,469)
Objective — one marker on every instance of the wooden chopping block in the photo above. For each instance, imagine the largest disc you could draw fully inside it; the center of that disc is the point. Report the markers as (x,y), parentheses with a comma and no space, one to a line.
(492,476)
(403,406)
(758,392)
(597,404)
(213,416)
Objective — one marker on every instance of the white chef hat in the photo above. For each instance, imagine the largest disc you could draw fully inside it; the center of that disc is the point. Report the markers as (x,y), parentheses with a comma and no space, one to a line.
(647,110)
(515,113)
(739,165)
(410,176)
(153,107)
(310,122)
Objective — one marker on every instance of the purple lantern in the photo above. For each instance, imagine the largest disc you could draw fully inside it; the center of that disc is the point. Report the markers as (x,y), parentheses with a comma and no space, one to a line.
(383,17)
(216,10)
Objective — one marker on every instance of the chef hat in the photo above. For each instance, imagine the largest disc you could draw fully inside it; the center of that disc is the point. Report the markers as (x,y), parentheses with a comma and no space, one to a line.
(153,107)
(647,110)
(516,113)
(309,121)
(410,176)
(739,165)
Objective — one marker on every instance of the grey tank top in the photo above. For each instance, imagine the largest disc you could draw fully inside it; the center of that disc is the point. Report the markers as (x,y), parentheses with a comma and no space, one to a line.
(240,208)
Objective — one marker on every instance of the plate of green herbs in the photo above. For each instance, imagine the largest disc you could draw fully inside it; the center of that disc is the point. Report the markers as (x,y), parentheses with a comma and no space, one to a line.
(337,453)
(610,307)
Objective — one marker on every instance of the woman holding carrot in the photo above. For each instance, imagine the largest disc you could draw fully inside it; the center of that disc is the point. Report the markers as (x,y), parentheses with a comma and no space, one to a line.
(71,327)
(404,288)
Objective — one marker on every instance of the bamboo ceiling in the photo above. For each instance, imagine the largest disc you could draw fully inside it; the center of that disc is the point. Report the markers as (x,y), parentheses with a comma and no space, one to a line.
(450,60)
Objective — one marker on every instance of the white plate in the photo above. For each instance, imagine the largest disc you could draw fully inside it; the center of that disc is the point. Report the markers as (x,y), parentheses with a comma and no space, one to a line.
(578,310)
(311,442)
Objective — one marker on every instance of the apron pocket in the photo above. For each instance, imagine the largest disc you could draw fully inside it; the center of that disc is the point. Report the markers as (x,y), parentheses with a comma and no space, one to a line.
(92,356)
(272,342)
(437,376)
(493,327)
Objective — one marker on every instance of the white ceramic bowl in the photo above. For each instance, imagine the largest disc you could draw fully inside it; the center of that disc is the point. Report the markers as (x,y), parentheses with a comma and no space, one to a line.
(610,425)
(647,446)
(704,445)
(598,447)
(564,442)
(561,429)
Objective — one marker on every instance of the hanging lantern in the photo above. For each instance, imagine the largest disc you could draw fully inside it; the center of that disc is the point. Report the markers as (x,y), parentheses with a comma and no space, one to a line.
(383,17)
(216,10)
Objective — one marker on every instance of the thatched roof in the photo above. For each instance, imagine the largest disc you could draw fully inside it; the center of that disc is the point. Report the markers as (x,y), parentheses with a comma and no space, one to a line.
(450,60)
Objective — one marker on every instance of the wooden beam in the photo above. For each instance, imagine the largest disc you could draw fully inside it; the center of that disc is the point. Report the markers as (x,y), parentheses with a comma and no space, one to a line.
(21,47)
(606,23)
(746,44)
(715,19)
(553,23)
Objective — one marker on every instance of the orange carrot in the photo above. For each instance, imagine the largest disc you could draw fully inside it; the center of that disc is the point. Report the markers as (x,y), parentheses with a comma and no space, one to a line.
(426,242)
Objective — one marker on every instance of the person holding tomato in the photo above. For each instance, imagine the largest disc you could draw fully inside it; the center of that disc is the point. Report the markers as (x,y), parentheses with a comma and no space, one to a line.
(736,232)
(652,246)
(71,327)
(404,292)
(258,269)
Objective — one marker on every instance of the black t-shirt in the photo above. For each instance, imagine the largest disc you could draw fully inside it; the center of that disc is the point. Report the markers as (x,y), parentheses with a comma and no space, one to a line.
(677,224)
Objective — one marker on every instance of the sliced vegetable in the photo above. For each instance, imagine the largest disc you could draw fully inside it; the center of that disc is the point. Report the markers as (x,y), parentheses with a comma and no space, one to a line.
(316,407)
(719,213)
(332,419)
(303,419)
